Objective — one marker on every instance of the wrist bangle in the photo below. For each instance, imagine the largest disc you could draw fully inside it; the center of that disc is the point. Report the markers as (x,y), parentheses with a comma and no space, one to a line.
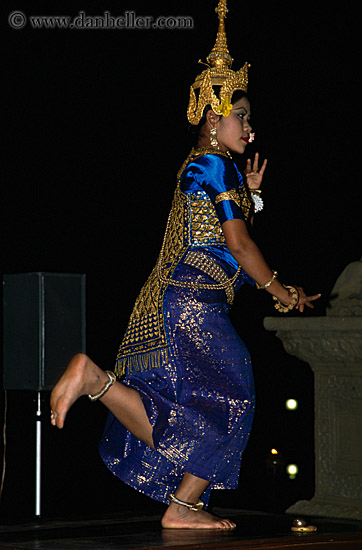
(295,298)
(263,287)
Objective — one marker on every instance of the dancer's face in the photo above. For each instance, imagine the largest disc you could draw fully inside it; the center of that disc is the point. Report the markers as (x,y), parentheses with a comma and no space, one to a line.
(233,131)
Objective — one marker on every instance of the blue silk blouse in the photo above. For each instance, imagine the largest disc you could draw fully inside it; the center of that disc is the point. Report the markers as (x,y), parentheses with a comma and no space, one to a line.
(213,174)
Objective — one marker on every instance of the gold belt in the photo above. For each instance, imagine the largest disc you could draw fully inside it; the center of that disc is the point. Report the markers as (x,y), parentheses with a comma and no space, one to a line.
(210,268)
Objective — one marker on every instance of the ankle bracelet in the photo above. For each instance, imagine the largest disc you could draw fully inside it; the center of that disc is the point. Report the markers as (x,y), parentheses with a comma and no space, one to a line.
(111,381)
(195,507)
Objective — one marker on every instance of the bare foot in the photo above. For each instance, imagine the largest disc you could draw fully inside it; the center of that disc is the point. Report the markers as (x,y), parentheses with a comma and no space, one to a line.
(179,517)
(82,377)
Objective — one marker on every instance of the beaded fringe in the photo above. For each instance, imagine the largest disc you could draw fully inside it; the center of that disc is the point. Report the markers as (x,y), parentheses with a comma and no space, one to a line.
(141,362)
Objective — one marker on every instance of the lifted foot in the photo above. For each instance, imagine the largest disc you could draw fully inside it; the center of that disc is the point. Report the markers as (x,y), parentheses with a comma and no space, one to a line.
(82,377)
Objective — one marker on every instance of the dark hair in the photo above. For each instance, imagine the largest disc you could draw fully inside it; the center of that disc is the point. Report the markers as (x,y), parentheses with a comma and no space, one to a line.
(195,130)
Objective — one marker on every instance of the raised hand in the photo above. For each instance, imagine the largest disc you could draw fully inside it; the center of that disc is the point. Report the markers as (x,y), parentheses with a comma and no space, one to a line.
(254,176)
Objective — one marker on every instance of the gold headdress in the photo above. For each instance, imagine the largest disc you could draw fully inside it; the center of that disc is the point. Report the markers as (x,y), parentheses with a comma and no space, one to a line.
(218,73)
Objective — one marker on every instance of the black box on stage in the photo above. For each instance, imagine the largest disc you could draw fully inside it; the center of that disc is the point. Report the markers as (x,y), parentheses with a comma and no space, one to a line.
(43,327)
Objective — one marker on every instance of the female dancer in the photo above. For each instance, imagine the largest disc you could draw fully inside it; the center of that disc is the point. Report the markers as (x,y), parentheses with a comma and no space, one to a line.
(180,418)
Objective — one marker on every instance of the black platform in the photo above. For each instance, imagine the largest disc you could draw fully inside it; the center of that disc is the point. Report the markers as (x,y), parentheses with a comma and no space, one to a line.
(255,530)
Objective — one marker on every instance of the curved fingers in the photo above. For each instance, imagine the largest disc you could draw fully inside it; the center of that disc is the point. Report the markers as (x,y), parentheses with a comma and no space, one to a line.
(305,300)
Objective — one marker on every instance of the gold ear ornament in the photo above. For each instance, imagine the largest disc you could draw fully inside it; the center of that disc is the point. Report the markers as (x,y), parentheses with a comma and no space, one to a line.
(213,138)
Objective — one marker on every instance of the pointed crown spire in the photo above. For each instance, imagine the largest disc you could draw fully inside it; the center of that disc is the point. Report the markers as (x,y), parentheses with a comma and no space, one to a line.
(218,73)
(219,55)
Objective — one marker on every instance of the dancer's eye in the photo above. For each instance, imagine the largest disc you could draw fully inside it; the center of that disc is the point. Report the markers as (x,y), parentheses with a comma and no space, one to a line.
(242,114)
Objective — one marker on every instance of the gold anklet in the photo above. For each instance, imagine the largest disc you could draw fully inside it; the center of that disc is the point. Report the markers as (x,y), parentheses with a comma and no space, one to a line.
(195,507)
(295,298)
(111,381)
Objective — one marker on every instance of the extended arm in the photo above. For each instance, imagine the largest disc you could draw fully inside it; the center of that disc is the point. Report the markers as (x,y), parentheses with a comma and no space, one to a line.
(247,254)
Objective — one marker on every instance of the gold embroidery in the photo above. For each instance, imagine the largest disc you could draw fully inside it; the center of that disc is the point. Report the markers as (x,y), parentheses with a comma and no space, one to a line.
(144,345)
(205,264)
(240,197)
(246,201)
(205,227)
(232,195)
(192,221)
(176,232)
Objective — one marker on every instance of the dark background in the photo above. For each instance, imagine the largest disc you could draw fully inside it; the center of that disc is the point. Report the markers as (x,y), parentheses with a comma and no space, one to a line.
(95,131)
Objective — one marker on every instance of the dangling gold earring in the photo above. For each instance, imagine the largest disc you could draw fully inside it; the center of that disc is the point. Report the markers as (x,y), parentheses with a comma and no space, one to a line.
(213,138)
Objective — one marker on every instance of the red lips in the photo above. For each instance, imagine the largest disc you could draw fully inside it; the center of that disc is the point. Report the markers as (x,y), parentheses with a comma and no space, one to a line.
(246,139)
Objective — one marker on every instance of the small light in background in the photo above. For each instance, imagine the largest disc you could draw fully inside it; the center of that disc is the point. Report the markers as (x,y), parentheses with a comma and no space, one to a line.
(291,404)
(292,470)
(275,461)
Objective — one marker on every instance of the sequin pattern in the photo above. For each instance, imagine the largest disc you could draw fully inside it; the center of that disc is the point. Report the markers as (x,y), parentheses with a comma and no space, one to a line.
(181,353)
(193,222)
(201,411)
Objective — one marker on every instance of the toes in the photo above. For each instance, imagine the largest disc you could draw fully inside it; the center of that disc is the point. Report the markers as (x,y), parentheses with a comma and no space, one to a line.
(56,419)
(227,524)
(59,421)
(224,524)
(53,418)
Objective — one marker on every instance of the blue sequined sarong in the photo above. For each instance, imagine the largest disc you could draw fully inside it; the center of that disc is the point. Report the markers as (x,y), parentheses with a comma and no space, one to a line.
(200,403)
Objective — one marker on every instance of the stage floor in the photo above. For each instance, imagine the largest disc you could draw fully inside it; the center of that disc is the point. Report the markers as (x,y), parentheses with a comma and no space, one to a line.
(255,530)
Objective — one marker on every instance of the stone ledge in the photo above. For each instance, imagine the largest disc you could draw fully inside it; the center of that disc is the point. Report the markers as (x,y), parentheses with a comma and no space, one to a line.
(316,507)
(314,323)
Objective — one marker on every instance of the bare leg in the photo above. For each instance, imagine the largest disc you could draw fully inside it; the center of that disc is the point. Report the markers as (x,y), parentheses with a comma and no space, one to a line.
(83,377)
(179,517)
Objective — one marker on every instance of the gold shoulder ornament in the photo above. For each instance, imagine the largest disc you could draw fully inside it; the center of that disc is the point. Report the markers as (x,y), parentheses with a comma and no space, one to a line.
(231,195)
(218,73)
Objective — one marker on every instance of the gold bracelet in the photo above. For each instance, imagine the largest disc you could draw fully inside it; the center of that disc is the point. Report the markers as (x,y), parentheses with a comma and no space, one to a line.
(263,287)
(295,298)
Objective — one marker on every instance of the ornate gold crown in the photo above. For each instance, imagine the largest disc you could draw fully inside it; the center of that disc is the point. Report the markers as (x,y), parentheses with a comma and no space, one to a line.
(218,73)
